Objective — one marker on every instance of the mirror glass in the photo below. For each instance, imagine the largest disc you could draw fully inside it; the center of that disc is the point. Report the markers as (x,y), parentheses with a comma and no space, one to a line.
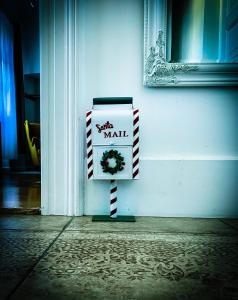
(202,31)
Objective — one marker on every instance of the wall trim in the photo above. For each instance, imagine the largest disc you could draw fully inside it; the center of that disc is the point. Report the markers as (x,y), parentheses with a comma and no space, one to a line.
(59,108)
(178,158)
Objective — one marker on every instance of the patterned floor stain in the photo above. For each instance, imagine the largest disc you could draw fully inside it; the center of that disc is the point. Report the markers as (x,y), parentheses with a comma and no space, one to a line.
(19,252)
(85,263)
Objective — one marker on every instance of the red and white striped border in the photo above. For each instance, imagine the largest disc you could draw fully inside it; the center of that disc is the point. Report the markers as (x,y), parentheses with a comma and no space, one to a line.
(135,151)
(89,144)
(113,199)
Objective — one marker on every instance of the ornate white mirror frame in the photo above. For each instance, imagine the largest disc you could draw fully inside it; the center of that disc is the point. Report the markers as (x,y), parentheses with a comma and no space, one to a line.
(159,72)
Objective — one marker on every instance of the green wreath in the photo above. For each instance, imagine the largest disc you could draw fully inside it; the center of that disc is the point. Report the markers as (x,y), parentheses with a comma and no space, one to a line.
(118,158)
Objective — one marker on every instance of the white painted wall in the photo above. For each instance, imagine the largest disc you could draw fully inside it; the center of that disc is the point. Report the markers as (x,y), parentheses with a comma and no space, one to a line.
(189,141)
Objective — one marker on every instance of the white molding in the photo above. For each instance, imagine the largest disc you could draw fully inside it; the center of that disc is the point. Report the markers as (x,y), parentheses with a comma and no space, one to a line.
(190,158)
(44,106)
(59,107)
(189,188)
(80,96)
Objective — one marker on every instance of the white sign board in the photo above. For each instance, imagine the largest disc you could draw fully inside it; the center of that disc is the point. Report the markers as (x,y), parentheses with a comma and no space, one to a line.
(112,127)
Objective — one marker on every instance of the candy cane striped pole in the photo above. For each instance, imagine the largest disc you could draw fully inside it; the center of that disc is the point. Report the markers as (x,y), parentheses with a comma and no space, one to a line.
(113,199)
(135,169)
(89,144)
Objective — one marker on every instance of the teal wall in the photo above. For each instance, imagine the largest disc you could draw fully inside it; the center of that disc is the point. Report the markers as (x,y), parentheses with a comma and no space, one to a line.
(189,136)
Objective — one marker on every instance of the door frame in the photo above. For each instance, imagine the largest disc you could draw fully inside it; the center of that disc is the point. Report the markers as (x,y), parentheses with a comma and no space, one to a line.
(62,163)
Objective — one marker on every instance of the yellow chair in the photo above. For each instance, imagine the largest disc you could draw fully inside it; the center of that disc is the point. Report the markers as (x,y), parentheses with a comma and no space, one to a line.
(33,139)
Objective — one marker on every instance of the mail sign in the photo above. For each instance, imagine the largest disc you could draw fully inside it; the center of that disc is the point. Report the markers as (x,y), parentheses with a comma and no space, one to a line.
(112,139)
(112,127)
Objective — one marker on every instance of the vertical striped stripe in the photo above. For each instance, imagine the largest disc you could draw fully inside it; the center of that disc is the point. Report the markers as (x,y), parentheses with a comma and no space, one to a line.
(89,144)
(135,155)
(113,199)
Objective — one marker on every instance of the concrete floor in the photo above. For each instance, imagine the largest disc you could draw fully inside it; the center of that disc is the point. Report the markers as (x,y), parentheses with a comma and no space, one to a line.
(155,258)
